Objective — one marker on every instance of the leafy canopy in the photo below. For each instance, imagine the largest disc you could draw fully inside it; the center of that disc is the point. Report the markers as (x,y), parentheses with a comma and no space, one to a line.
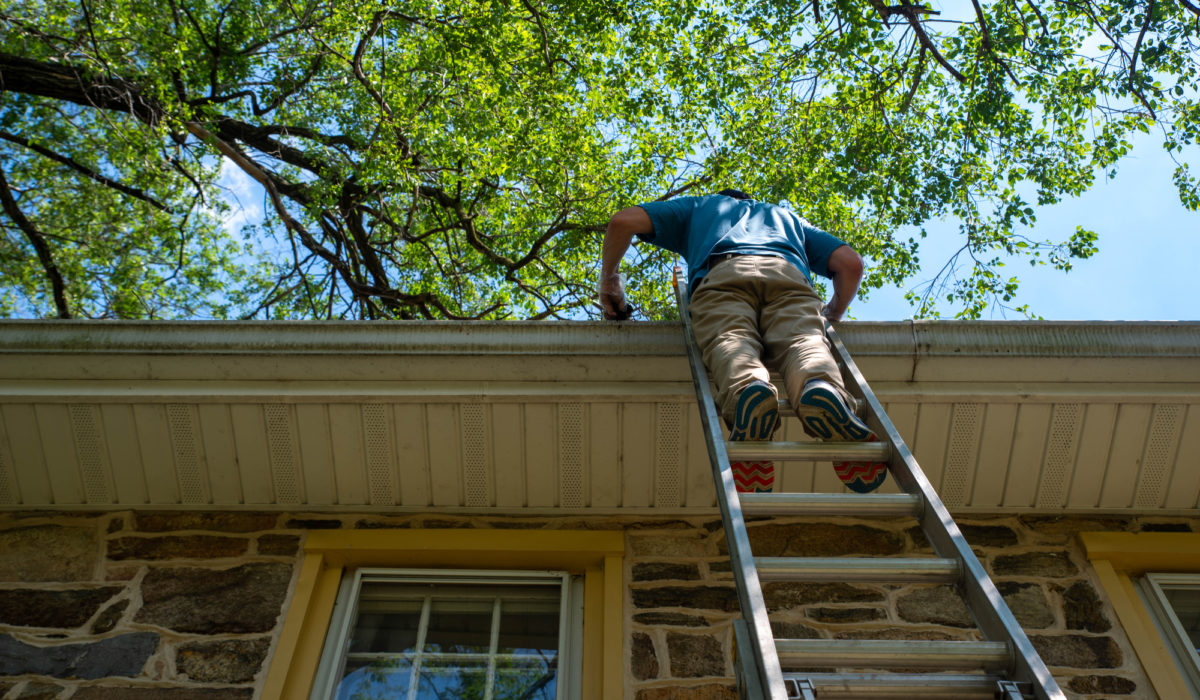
(459,158)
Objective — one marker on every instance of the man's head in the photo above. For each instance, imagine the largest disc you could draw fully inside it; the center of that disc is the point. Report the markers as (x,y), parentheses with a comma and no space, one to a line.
(736,194)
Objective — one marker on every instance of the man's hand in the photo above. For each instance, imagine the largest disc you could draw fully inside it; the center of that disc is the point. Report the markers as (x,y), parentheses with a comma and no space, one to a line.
(846,270)
(612,299)
(618,236)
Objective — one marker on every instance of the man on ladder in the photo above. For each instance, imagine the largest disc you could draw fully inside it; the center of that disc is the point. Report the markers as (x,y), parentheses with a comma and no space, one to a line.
(753,309)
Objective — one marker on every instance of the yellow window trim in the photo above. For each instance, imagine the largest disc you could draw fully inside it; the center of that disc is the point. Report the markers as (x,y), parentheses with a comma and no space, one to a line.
(598,556)
(1118,557)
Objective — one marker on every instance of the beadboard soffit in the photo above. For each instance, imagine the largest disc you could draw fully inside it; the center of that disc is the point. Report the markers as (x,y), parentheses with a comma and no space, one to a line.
(1045,417)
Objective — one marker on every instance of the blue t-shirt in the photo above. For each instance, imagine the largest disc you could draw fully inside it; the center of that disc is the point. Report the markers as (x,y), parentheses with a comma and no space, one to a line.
(699,227)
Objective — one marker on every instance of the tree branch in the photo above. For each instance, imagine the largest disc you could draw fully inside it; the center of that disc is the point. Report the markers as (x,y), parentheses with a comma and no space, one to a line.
(356,62)
(73,84)
(1137,47)
(85,171)
(1042,18)
(38,241)
(920,72)
(537,17)
(1117,46)
(912,13)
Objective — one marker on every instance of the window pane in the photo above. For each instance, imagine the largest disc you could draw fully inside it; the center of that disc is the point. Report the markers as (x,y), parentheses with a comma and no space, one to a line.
(1186,604)
(375,679)
(385,625)
(441,680)
(528,627)
(459,627)
(531,680)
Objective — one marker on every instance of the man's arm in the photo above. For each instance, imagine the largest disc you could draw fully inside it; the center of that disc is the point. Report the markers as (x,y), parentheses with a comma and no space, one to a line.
(622,227)
(846,270)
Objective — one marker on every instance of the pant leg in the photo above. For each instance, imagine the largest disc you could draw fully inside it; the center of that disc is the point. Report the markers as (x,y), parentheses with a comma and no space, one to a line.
(724,310)
(794,331)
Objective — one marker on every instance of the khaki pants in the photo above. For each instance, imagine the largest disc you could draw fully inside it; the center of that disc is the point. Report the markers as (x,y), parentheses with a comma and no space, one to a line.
(756,313)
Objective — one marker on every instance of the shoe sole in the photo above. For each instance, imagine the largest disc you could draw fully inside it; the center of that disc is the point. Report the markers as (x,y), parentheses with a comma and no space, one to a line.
(837,423)
(757,414)
(754,477)
(835,419)
(861,477)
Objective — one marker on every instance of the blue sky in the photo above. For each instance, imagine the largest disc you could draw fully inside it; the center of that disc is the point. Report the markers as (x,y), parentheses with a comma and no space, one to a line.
(1146,268)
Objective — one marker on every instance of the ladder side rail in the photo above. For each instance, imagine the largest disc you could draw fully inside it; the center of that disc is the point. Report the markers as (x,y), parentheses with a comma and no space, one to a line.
(761,642)
(991,613)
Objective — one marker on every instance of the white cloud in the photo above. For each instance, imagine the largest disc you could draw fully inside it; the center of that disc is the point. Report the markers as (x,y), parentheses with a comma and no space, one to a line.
(244,196)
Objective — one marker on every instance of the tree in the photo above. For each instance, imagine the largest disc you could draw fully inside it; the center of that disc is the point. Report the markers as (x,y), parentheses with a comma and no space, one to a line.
(459,158)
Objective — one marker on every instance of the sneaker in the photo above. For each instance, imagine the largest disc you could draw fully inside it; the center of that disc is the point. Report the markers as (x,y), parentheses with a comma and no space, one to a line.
(835,421)
(756,418)
(756,415)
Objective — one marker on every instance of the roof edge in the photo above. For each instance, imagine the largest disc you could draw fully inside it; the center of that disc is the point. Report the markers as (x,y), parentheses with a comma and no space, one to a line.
(1180,339)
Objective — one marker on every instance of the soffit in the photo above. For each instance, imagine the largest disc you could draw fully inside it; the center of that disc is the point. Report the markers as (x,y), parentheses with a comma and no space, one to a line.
(565,417)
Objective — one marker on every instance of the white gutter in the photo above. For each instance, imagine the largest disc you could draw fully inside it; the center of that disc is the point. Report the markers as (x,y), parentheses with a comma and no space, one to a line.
(1051,339)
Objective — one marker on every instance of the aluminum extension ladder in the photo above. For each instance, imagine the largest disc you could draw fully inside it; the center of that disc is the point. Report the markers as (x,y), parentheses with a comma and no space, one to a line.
(1005,666)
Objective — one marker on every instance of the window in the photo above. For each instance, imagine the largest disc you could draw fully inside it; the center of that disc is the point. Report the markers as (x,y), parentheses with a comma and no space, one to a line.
(1174,602)
(1152,580)
(593,560)
(474,635)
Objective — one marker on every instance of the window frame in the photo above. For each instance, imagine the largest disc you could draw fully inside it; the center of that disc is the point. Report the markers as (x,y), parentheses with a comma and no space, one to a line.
(1152,586)
(597,556)
(570,622)
(1120,560)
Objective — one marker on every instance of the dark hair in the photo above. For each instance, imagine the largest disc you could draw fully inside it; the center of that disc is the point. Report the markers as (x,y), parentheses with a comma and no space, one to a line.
(736,194)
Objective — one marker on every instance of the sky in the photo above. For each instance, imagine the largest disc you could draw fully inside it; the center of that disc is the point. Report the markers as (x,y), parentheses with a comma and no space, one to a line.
(1147,267)
(1149,245)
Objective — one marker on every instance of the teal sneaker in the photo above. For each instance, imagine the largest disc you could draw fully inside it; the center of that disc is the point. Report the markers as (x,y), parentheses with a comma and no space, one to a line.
(756,418)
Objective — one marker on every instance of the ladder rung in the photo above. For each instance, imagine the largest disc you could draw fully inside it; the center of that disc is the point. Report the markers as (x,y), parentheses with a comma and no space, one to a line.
(881,505)
(900,686)
(902,653)
(858,569)
(809,451)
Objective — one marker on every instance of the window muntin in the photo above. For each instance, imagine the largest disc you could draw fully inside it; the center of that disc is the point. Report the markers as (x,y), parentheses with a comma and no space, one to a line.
(1173,601)
(424,635)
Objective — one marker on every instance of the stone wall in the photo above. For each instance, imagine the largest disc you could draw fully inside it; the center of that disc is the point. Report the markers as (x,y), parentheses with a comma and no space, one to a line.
(141,605)
(188,605)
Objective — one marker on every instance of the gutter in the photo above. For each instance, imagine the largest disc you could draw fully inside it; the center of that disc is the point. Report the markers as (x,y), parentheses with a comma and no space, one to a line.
(896,339)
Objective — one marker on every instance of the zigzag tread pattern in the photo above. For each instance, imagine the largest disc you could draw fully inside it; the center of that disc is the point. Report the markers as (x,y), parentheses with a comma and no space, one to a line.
(751,477)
